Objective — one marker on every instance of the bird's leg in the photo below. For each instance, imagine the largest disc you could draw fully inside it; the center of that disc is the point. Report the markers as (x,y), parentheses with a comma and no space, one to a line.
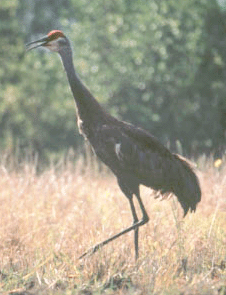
(145,217)
(136,229)
(144,220)
(98,246)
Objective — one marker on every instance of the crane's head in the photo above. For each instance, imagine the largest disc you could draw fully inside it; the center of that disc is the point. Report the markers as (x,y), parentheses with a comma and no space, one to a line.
(54,41)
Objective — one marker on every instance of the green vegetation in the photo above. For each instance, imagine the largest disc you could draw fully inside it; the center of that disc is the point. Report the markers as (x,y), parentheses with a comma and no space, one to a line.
(158,64)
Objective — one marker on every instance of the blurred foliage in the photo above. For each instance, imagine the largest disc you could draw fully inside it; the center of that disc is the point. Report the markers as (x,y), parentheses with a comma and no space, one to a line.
(157,64)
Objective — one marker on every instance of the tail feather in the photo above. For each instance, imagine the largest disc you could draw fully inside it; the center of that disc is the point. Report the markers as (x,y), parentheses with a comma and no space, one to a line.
(186,187)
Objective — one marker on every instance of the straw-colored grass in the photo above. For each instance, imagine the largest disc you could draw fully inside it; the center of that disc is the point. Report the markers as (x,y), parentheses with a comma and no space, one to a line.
(48,220)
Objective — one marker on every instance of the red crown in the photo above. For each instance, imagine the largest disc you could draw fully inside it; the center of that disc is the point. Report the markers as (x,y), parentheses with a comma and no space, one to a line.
(55,34)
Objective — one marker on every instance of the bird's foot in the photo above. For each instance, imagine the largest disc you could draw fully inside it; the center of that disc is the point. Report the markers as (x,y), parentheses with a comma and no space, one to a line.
(91,251)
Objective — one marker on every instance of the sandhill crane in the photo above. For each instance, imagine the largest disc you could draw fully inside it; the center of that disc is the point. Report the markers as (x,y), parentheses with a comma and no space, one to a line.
(132,154)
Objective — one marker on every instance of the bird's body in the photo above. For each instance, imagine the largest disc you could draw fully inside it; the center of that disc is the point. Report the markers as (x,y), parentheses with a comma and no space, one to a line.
(136,157)
(133,154)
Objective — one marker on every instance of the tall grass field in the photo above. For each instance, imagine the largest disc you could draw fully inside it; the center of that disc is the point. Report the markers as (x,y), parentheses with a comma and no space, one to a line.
(49,218)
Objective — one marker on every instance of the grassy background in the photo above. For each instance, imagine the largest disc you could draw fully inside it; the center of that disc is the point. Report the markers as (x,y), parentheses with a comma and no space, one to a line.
(48,220)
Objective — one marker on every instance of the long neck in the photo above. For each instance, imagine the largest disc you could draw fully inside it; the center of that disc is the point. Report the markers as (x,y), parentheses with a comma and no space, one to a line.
(88,108)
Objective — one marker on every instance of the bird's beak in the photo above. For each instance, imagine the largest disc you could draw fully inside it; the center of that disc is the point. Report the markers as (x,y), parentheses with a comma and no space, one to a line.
(37,43)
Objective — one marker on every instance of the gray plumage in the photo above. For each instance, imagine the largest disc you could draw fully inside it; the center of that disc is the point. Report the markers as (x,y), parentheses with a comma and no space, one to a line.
(133,154)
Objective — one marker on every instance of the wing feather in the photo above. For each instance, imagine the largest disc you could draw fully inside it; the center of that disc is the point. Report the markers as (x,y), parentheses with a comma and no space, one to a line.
(155,166)
(135,154)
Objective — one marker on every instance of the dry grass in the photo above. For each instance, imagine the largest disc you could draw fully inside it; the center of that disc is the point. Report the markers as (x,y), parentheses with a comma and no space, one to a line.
(48,220)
